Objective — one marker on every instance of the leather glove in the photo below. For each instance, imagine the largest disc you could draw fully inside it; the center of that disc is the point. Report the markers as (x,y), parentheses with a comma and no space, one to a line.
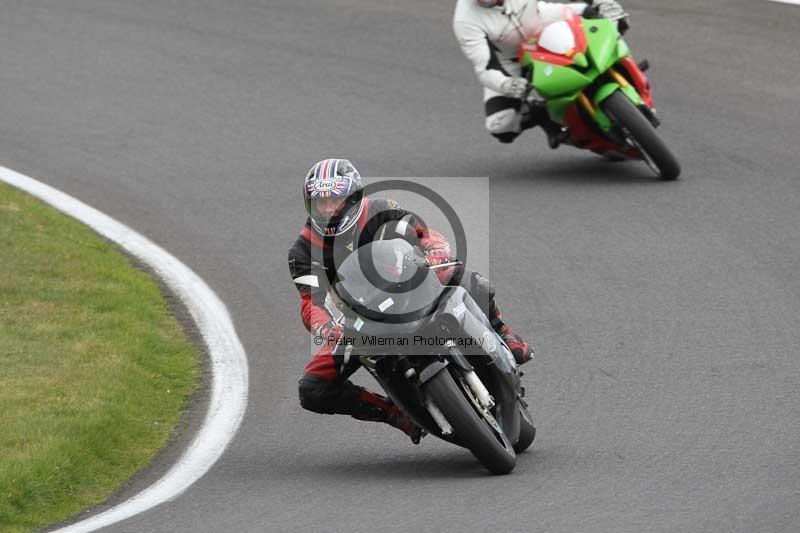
(330,332)
(437,255)
(605,9)
(514,87)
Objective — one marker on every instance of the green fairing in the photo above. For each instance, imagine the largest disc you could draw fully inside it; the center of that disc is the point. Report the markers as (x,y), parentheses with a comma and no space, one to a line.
(561,85)
(557,107)
(602,43)
(580,60)
(602,120)
(583,90)
(552,81)
(634,96)
(604,92)
(622,48)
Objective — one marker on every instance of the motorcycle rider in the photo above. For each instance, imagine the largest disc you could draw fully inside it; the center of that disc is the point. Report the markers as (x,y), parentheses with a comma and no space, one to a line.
(337,208)
(490,32)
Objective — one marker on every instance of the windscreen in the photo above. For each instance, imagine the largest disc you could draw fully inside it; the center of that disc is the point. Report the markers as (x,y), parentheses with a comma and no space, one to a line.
(385,279)
(557,38)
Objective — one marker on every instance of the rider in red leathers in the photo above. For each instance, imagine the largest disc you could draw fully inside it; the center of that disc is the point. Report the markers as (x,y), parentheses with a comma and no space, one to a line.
(336,207)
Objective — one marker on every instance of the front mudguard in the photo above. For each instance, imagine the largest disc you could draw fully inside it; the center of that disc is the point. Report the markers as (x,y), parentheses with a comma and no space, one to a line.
(606,90)
(431,370)
(499,377)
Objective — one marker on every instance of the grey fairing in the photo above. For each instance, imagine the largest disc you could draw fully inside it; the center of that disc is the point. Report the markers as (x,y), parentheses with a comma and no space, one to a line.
(474,323)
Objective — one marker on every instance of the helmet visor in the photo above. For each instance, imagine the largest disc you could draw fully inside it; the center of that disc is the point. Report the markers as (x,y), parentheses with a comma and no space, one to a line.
(333,214)
(327,209)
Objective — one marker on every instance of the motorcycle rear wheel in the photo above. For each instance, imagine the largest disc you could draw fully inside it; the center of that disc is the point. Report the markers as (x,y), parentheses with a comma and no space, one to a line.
(642,135)
(472,430)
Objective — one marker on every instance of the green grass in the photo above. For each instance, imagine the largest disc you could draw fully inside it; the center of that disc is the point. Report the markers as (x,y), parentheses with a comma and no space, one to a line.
(94,369)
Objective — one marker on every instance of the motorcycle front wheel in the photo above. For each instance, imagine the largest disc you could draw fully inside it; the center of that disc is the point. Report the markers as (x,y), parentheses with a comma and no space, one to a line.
(473,430)
(527,431)
(641,133)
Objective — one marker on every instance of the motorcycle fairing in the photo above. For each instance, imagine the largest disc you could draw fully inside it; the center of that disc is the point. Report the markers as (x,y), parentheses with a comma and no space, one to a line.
(501,375)
(574,91)
(561,43)
(378,279)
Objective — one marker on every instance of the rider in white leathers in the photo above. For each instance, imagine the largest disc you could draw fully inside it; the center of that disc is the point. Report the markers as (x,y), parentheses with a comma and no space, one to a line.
(490,32)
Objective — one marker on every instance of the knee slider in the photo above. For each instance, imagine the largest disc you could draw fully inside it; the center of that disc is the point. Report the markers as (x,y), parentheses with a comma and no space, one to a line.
(315,394)
(505,121)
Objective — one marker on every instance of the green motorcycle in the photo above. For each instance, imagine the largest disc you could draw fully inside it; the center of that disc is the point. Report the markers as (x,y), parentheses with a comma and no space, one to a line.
(593,87)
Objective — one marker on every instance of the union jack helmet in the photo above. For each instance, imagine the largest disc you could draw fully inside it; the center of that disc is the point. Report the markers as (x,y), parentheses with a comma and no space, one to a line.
(333,178)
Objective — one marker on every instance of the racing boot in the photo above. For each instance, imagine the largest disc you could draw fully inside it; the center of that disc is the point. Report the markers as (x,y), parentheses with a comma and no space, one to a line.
(376,408)
(483,292)
(536,115)
(521,350)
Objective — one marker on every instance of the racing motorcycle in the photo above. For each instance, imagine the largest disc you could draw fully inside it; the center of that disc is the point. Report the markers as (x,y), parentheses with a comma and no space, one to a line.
(433,351)
(593,87)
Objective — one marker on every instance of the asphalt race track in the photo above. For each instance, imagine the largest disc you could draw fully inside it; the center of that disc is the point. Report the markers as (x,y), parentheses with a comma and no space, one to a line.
(665,315)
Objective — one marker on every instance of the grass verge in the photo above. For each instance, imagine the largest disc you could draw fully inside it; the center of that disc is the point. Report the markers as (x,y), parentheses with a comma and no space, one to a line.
(94,369)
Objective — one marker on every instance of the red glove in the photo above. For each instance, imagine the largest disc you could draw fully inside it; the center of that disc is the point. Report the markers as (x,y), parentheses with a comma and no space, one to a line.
(438,254)
(330,332)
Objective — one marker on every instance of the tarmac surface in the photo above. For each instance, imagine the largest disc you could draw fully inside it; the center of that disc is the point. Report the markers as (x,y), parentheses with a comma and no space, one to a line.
(665,315)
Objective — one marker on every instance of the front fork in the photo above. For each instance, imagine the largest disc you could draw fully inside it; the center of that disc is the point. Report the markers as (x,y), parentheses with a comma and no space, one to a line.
(637,91)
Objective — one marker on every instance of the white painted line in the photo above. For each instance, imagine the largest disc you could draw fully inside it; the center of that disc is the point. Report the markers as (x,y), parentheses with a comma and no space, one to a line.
(228,358)
(795,2)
